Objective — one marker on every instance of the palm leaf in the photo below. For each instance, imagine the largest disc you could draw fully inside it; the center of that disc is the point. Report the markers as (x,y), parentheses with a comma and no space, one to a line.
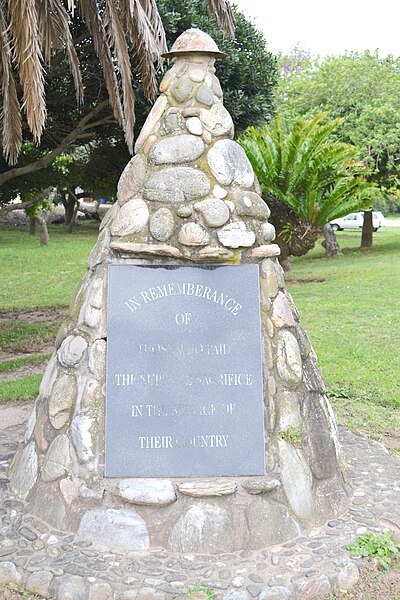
(223,14)
(118,43)
(11,113)
(28,58)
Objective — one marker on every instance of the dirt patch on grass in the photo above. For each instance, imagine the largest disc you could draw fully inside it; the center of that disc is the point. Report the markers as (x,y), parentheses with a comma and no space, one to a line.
(32,316)
(304,280)
(30,369)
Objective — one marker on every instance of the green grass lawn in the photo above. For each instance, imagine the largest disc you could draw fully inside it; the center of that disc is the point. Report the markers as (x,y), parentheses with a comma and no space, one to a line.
(42,276)
(352,317)
(353,321)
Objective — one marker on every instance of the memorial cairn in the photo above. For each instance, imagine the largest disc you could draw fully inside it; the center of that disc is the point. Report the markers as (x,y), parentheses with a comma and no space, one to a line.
(182,407)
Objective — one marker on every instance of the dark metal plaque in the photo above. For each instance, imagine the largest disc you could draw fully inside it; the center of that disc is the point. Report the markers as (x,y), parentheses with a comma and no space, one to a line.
(184,372)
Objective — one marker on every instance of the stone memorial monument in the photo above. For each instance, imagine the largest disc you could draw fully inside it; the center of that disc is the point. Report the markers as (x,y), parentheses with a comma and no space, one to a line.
(182,406)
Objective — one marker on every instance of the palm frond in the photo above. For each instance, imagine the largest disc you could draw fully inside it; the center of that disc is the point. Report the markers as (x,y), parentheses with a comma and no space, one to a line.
(224,15)
(118,43)
(11,113)
(55,33)
(28,58)
(90,14)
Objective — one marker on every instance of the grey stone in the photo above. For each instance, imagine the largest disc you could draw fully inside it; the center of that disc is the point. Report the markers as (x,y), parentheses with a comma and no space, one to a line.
(250,204)
(282,315)
(316,587)
(237,581)
(216,119)
(49,377)
(184,211)
(57,461)
(9,573)
(97,359)
(289,410)
(132,217)
(203,528)
(220,192)
(260,486)
(131,180)
(69,490)
(176,150)
(289,362)
(150,594)
(348,576)
(24,471)
(182,89)
(204,95)
(194,125)
(27,533)
(151,122)
(268,232)
(214,211)
(312,377)
(321,438)
(297,480)
(100,590)
(39,582)
(270,523)
(110,213)
(253,590)
(277,592)
(176,185)
(30,424)
(62,400)
(236,235)
(121,527)
(162,224)
(216,86)
(214,253)
(172,121)
(71,350)
(193,234)
(81,436)
(101,248)
(150,492)
(207,488)
(233,594)
(71,588)
(229,164)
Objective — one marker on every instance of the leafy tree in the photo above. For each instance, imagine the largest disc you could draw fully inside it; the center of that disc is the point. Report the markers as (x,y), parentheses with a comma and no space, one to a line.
(308,172)
(361,88)
(89,135)
(32,30)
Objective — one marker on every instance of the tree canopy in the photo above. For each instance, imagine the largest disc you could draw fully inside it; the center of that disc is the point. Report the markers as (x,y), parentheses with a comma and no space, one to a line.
(89,133)
(33,30)
(361,88)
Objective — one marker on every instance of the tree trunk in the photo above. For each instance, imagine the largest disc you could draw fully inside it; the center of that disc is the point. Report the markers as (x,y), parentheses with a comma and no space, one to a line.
(32,225)
(73,218)
(366,237)
(44,232)
(69,202)
(330,242)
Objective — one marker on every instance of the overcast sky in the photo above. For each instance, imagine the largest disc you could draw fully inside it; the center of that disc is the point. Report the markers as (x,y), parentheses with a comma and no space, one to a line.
(327,27)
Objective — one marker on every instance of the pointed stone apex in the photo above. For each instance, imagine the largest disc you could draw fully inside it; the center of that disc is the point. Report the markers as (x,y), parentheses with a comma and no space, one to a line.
(194,40)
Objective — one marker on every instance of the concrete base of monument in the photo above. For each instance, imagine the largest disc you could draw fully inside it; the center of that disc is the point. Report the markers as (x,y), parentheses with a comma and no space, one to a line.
(201,515)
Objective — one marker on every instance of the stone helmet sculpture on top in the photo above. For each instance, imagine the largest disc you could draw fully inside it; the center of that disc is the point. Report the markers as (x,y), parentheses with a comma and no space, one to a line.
(190,187)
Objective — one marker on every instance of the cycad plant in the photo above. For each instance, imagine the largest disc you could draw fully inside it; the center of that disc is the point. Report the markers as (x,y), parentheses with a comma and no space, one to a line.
(303,165)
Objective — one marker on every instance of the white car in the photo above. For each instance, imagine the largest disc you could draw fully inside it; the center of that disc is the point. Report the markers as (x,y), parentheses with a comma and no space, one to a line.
(356,220)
